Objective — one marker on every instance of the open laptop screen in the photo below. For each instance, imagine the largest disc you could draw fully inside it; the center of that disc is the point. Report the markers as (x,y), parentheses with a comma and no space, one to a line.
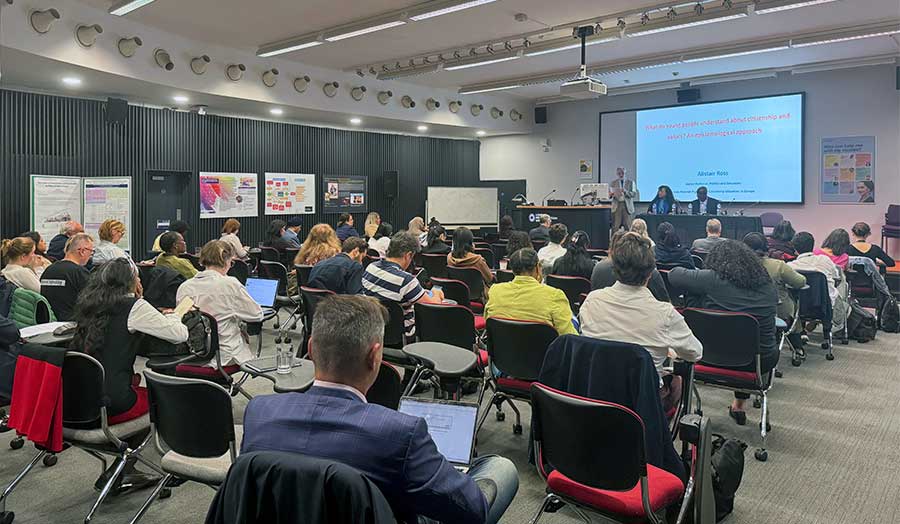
(263,291)
(450,424)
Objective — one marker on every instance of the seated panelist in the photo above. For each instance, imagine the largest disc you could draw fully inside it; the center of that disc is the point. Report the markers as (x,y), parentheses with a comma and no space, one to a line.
(704,204)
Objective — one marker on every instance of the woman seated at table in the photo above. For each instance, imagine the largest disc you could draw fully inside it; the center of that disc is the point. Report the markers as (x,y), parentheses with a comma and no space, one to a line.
(223,297)
(668,248)
(464,256)
(835,247)
(862,248)
(230,230)
(735,280)
(436,244)
(18,256)
(109,313)
(663,203)
(321,243)
(576,262)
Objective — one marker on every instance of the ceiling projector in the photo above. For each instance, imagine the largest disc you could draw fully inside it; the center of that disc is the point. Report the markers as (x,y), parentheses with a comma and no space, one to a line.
(581,88)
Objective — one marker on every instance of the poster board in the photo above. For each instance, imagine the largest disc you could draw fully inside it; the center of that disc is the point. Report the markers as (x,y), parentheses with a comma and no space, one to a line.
(848,170)
(224,195)
(345,194)
(105,198)
(54,200)
(290,194)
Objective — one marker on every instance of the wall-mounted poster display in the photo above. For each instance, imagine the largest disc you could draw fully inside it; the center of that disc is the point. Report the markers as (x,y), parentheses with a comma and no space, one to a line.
(345,194)
(107,198)
(224,195)
(290,194)
(55,200)
(848,170)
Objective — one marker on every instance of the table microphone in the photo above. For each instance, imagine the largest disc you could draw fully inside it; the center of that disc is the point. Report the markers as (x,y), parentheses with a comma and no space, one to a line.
(572,200)
(548,196)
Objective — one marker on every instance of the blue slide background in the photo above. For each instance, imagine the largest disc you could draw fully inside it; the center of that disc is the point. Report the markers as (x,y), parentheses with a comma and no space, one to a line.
(763,167)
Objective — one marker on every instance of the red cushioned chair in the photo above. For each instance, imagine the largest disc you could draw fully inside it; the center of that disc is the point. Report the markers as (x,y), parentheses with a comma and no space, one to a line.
(573,287)
(311,297)
(891,227)
(516,349)
(731,345)
(451,324)
(458,291)
(591,454)
(473,279)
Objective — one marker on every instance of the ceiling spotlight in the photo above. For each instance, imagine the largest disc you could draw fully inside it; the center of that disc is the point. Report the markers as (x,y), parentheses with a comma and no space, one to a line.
(129,46)
(235,72)
(358,93)
(356,121)
(163,59)
(514,115)
(41,21)
(180,99)
(330,89)
(727,4)
(480,133)
(432,104)
(698,9)
(496,112)
(126,6)
(476,109)
(270,77)
(422,128)
(407,102)
(301,83)
(277,111)
(645,18)
(455,105)
(621,23)
(384,97)
(199,63)
(87,34)
(71,81)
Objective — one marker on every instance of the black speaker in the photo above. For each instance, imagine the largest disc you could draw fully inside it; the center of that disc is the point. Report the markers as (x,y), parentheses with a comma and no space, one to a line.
(540,115)
(116,110)
(391,184)
(688,95)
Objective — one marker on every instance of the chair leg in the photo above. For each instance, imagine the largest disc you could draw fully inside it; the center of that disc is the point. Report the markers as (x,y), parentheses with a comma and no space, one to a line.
(106,488)
(159,487)
(547,500)
(761,454)
(12,485)
(485,413)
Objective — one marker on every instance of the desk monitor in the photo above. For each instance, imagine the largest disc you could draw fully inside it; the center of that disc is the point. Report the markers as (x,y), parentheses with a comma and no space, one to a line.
(263,291)
(450,424)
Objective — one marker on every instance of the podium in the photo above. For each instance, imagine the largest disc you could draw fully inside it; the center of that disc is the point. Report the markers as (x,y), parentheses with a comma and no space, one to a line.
(594,220)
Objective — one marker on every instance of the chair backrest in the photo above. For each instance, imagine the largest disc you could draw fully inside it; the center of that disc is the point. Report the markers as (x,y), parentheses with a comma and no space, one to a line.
(311,297)
(815,303)
(373,253)
(861,284)
(505,275)
(770,218)
(434,264)
(698,261)
(193,259)
(614,429)
(287,258)
(239,270)
(538,244)
(892,217)
(499,249)
(573,287)
(192,416)
(488,255)
(473,279)
(660,266)
(269,253)
(83,390)
(447,323)
(454,290)
(730,340)
(387,389)
(394,331)
(275,271)
(302,271)
(517,347)
(596,252)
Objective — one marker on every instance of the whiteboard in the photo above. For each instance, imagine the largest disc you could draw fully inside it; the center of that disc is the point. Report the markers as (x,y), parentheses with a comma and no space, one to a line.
(463,206)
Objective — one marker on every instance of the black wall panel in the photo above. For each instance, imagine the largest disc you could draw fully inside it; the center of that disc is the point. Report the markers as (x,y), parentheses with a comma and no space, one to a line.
(41,134)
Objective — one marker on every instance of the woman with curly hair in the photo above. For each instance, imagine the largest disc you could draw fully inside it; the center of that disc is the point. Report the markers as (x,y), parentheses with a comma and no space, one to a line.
(321,243)
(735,280)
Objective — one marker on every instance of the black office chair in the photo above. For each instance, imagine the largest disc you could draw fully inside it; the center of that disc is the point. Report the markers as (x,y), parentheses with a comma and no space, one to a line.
(270,254)
(538,244)
(277,271)
(435,265)
(815,305)
(505,275)
(387,389)
(862,288)
(287,258)
(488,255)
(302,271)
(311,298)
(193,259)
(499,249)
(474,281)
(698,260)
(239,270)
(573,287)
(455,290)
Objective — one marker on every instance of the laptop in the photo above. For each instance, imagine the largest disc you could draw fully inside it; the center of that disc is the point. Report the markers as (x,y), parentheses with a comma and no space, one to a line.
(451,426)
(263,291)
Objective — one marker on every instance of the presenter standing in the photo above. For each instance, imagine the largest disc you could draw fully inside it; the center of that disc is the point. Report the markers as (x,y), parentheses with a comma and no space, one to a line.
(704,205)
(622,193)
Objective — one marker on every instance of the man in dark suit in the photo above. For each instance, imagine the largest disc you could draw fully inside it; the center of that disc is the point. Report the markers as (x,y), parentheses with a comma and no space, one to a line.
(542,231)
(333,420)
(704,205)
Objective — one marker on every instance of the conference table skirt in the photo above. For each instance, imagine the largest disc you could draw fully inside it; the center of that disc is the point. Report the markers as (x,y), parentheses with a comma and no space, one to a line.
(692,227)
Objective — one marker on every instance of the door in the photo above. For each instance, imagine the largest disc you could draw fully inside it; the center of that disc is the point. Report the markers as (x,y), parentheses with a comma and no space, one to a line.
(167,192)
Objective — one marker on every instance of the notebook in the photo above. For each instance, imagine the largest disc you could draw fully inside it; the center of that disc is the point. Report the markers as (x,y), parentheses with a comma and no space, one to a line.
(263,291)
(451,426)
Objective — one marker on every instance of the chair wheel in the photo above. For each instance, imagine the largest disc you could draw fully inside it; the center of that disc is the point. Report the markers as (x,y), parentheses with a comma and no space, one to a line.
(17,443)
(6,517)
(756,403)
(796,361)
(50,460)
(829,357)
(778,373)
(501,416)
(165,493)
(517,429)
(761,455)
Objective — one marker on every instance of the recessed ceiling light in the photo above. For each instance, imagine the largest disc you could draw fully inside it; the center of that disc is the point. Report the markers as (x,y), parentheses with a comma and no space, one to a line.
(480,133)
(422,128)
(276,111)
(71,81)
(180,99)
(356,121)
(126,6)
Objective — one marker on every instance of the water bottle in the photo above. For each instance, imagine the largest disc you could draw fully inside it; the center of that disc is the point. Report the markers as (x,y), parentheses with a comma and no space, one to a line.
(283,358)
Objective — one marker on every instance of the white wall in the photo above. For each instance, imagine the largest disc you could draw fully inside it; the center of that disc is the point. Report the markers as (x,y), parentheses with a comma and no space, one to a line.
(846,102)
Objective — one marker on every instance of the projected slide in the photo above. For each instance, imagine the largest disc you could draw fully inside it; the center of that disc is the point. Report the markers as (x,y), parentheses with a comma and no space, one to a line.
(345,194)
(742,150)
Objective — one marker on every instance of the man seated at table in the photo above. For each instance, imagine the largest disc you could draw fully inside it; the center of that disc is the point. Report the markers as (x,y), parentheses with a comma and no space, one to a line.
(554,249)
(172,245)
(333,421)
(525,298)
(57,248)
(343,272)
(62,282)
(713,236)
(542,231)
(704,204)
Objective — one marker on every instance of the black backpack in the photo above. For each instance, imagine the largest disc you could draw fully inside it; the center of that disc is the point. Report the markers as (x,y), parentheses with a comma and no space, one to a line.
(861,324)
(727,463)
(890,316)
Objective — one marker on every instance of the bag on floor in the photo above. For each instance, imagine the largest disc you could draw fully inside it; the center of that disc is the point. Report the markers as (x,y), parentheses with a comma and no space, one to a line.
(861,325)
(727,463)
(890,316)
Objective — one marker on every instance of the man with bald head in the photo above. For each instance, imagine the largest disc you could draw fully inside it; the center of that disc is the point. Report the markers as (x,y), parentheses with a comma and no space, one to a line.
(67,230)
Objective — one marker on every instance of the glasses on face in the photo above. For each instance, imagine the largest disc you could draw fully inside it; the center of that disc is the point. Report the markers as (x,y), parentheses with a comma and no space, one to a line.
(89,250)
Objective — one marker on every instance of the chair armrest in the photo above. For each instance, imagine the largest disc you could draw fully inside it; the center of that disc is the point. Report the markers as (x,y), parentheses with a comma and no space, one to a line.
(689,428)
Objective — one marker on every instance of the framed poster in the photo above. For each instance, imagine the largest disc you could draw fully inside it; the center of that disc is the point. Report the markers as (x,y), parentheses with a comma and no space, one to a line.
(345,194)
(290,194)
(224,195)
(105,198)
(848,170)
(55,200)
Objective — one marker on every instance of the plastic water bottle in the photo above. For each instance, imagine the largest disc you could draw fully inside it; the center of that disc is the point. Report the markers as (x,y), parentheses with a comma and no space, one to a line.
(283,358)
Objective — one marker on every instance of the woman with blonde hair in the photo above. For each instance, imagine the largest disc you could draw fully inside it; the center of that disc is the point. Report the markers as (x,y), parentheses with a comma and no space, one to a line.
(230,230)
(321,243)
(111,232)
(639,226)
(18,255)
(373,220)
(417,227)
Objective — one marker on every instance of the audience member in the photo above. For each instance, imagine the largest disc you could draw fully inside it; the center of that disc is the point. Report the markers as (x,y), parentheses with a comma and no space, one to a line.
(226,299)
(382,238)
(639,226)
(464,256)
(576,262)
(292,229)
(554,249)
(172,244)
(275,236)
(517,240)
(393,449)
(713,236)
(525,298)
(343,272)
(321,243)
(110,233)
(663,203)
(628,312)
(784,277)
(807,260)
(388,280)
(345,227)
(18,255)
(780,246)
(67,230)
(735,280)
(436,243)
(542,231)
(373,220)
(604,275)
(417,227)
(230,230)
(668,249)
(862,248)
(506,227)
(64,280)
(835,247)
(40,262)
(179,226)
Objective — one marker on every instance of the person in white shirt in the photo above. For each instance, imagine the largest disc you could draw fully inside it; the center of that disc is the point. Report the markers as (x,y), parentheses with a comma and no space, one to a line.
(628,312)
(548,254)
(382,239)
(110,233)
(230,230)
(226,299)
(804,243)
(18,254)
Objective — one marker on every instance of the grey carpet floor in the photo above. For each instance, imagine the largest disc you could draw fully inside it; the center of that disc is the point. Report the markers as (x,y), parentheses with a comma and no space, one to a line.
(833,454)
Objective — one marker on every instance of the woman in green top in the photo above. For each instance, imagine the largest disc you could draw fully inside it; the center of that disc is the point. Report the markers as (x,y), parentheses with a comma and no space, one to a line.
(784,277)
(172,244)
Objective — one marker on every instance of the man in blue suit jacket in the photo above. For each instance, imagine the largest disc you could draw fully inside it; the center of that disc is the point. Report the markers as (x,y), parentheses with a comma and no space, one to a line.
(333,420)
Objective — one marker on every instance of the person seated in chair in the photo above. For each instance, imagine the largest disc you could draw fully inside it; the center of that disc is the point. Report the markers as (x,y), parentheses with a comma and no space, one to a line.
(604,274)
(542,231)
(333,420)
(382,238)
(784,277)
(275,236)
(554,249)
(517,240)
(704,204)
(835,247)
(63,281)
(172,244)
(179,226)
(224,298)
(436,242)
(862,248)
(345,227)
(735,280)
(668,249)
(321,244)
(57,248)
(525,298)
(464,256)
(713,236)
(576,262)
(628,312)
(17,256)
(807,260)
(343,272)
(292,230)
(780,246)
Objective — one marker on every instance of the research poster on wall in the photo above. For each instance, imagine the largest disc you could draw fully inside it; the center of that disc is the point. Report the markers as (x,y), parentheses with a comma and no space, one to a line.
(224,195)
(290,194)
(55,200)
(345,194)
(848,170)
(107,198)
